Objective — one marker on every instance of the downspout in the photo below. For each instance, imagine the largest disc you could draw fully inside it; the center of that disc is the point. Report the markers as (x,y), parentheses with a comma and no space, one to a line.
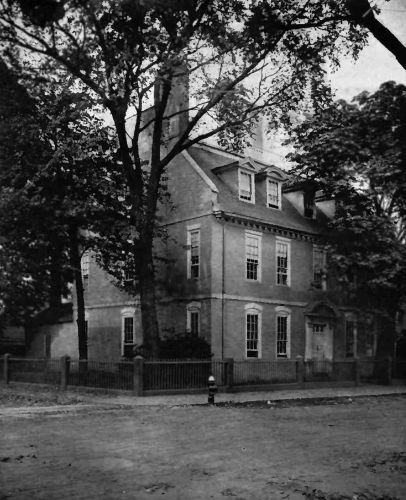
(223,288)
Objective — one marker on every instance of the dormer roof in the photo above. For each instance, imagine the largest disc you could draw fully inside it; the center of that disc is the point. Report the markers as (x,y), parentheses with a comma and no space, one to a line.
(272,172)
(246,163)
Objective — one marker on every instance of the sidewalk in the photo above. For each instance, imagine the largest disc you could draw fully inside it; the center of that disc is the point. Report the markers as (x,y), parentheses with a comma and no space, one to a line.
(195,399)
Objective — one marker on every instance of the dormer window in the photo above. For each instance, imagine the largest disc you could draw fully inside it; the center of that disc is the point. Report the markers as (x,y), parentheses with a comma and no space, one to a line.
(246,186)
(274,194)
(308,202)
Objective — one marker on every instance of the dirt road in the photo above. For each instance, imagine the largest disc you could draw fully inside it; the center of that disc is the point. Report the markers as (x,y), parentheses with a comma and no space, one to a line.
(334,451)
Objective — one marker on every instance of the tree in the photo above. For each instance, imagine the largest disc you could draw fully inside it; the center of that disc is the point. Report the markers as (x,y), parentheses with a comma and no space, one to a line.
(51,194)
(131,54)
(356,153)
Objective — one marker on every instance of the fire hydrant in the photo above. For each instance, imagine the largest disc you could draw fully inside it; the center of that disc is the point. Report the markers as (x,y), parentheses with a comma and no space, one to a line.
(212,389)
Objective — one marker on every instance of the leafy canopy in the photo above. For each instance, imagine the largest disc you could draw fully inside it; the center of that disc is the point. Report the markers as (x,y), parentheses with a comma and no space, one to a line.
(356,153)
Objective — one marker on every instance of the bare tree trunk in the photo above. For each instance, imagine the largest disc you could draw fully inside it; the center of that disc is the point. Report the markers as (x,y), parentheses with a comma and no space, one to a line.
(80,299)
(363,14)
(145,272)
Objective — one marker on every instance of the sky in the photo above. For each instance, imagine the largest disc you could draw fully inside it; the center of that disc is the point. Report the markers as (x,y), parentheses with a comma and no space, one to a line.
(375,64)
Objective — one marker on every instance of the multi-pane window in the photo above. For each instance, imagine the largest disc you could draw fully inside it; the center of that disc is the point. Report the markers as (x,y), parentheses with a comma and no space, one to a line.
(318,267)
(246,187)
(274,195)
(350,339)
(128,336)
(194,253)
(308,202)
(252,252)
(252,335)
(282,336)
(85,264)
(194,323)
(282,263)
(193,318)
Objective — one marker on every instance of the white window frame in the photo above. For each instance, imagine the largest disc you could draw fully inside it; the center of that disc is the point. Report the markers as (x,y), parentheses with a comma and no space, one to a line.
(253,310)
(193,308)
(190,230)
(252,184)
(285,241)
(258,237)
(268,192)
(283,312)
(127,313)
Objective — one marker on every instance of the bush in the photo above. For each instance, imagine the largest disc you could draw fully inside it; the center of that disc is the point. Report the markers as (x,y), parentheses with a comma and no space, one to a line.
(184,346)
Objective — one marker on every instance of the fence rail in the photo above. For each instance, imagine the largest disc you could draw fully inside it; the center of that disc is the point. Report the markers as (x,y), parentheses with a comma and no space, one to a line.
(142,375)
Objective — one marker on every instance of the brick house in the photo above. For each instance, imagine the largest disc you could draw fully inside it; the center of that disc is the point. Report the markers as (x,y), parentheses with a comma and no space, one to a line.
(244,268)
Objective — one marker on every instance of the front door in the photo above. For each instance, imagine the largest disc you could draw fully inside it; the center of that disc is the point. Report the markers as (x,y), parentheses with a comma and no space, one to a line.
(319,339)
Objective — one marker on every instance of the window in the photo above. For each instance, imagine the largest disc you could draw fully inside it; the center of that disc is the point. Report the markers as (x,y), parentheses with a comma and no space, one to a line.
(193,318)
(274,194)
(253,331)
(129,275)
(85,264)
(282,334)
(252,253)
(319,264)
(193,236)
(350,331)
(128,332)
(308,202)
(246,186)
(282,262)
(318,328)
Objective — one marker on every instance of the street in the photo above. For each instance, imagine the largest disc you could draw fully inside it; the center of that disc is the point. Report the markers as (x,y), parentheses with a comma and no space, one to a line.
(327,451)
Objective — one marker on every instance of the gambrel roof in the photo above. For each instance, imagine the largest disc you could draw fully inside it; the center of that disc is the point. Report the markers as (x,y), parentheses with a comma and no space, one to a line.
(213,161)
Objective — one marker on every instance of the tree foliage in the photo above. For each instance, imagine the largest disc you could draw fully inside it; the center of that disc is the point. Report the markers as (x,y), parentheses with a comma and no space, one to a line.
(237,59)
(356,153)
(54,187)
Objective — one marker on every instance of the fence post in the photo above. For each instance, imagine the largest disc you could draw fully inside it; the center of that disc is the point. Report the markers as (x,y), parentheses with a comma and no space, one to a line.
(300,370)
(357,374)
(65,364)
(229,373)
(138,376)
(6,368)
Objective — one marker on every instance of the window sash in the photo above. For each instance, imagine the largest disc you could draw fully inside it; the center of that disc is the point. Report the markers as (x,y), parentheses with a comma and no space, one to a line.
(282,271)
(282,337)
(318,266)
(128,331)
(246,181)
(273,194)
(252,335)
(194,323)
(84,265)
(194,255)
(252,257)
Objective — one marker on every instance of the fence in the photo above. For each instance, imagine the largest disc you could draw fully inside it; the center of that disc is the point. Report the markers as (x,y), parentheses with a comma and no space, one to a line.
(145,376)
